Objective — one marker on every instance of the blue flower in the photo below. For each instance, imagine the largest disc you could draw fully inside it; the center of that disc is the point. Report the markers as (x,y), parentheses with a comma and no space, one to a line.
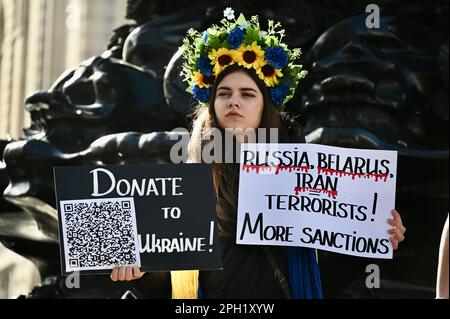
(277,57)
(279,94)
(235,38)
(204,66)
(202,95)
(205,36)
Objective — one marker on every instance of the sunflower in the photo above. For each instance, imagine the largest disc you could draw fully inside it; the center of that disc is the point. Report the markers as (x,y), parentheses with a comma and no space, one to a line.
(221,59)
(269,74)
(203,81)
(250,56)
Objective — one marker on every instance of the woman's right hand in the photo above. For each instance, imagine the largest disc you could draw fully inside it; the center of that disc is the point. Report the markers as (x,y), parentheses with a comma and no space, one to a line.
(126,274)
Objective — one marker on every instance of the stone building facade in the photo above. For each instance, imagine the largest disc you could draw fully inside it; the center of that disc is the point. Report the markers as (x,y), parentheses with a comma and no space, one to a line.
(39,39)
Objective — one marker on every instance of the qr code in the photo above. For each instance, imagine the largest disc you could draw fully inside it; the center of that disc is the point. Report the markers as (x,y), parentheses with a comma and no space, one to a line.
(99,234)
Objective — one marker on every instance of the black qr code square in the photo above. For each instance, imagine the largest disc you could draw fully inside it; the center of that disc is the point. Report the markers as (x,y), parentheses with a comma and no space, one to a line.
(100,234)
(74,263)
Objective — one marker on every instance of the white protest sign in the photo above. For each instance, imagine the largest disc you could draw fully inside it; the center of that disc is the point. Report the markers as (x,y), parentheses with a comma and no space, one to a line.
(317,196)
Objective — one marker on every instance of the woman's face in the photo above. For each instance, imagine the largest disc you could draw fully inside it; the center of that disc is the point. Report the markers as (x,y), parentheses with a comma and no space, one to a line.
(239,103)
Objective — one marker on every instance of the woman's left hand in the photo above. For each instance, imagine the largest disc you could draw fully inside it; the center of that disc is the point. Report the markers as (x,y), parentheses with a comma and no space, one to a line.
(398,230)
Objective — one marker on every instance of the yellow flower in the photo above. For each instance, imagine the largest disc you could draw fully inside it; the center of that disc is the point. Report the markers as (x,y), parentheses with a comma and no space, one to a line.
(221,59)
(202,81)
(250,56)
(269,74)
(197,77)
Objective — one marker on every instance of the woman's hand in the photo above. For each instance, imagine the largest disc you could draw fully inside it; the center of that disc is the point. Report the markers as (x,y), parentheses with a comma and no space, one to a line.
(126,274)
(398,230)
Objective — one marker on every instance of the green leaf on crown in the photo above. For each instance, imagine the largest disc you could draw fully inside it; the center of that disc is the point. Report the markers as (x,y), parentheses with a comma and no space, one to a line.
(214,43)
(251,36)
(241,20)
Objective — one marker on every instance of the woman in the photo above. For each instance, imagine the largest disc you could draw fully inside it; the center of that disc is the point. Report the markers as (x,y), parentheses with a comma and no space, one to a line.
(244,85)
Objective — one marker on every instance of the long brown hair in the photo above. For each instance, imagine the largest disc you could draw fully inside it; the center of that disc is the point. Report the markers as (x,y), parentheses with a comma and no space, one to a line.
(226,176)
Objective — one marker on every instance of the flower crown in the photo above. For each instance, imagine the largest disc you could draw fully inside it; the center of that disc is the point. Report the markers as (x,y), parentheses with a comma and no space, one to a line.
(243,43)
